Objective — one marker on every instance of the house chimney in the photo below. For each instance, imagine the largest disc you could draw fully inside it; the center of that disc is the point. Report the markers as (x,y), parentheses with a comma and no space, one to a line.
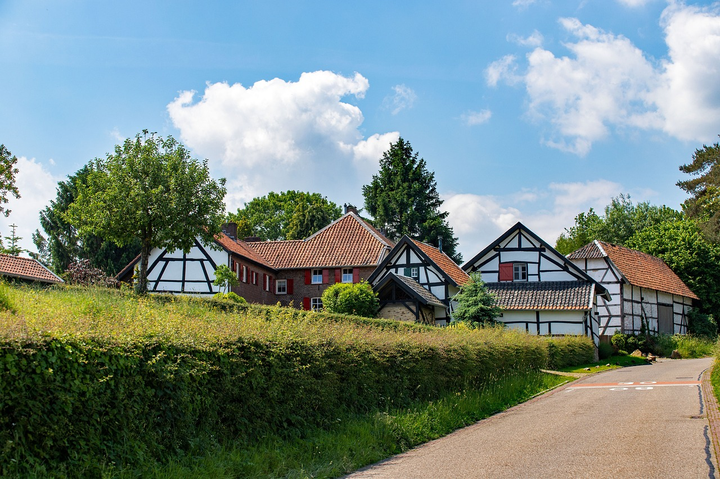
(347,208)
(440,243)
(230,230)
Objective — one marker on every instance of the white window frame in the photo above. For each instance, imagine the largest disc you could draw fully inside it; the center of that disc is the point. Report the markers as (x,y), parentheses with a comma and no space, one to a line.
(281,286)
(415,272)
(347,277)
(244,274)
(254,277)
(520,270)
(316,278)
(267,282)
(316,304)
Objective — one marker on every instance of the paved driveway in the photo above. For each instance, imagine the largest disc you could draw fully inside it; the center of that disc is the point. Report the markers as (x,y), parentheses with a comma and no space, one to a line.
(644,422)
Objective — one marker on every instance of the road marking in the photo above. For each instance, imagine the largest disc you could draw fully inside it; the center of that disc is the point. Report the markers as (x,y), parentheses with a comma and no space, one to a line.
(640,386)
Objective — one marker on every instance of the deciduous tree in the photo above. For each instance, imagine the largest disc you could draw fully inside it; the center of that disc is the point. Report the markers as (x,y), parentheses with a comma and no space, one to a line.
(8,170)
(403,199)
(149,189)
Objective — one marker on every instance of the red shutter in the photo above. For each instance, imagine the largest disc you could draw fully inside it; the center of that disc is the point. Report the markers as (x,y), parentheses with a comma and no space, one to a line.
(356,275)
(506,272)
(338,275)
(232,265)
(308,276)
(326,276)
(263,281)
(272,284)
(290,286)
(306,304)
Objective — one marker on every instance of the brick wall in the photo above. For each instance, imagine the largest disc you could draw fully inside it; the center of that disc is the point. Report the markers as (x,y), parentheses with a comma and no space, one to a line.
(255,293)
(300,290)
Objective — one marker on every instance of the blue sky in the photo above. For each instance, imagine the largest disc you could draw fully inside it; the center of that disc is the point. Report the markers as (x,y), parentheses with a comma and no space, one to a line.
(526,110)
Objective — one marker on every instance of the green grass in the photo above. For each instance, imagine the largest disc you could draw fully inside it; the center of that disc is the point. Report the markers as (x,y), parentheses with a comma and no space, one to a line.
(613,362)
(694,346)
(356,441)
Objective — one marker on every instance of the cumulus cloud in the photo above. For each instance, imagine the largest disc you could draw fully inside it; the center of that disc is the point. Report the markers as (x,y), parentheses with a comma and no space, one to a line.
(277,134)
(634,3)
(533,40)
(402,99)
(477,117)
(607,83)
(477,220)
(37,187)
(523,4)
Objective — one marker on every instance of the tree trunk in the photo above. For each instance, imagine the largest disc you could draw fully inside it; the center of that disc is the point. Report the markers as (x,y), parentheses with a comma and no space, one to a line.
(142,286)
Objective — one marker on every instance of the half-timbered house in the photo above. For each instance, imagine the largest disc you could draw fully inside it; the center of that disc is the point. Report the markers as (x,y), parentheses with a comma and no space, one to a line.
(645,291)
(538,289)
(417,282)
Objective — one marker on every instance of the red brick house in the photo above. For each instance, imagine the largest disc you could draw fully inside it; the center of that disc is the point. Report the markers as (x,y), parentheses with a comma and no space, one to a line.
(290,272)
(26,269)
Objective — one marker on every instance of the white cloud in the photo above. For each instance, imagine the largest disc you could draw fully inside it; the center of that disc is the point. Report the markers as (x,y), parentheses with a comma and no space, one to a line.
(534,40)
(403,98)
(277,135)
(523,4)
(634,3)
(608,83)
(115,134)
(37,187)
(477,220)
(477,117)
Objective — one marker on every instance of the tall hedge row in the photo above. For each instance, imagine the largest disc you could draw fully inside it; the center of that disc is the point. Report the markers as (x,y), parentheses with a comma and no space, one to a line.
(106,379)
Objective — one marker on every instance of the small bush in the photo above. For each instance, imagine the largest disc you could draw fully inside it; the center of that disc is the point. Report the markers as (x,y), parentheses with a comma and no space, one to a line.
(605,350)
(701,324)
(345,298)
(229,297)
(567,351)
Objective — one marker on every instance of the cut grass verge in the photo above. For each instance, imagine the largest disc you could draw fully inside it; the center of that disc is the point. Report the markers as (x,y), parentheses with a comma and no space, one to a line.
(356,441)
(613,362)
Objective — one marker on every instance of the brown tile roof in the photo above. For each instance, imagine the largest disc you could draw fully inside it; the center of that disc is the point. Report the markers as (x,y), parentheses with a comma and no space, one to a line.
(26,268)
(543,295)
(418,289)
(348,241)
(444,262)
(241,248)
(640,269)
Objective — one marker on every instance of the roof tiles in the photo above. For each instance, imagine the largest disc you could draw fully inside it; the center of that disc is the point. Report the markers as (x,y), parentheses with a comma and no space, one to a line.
(26,268)
(543,295)
(444,262)
(419,290)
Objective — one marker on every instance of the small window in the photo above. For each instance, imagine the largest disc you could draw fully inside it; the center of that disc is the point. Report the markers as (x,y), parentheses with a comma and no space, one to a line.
(281,286)
(415,273)
(253,276)
(347,275)
(317,276)
(244,274)
(519,271)
(267,283)
(316,304)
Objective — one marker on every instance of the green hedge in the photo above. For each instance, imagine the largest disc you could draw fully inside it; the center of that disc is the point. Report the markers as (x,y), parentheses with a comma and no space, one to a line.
(567,351)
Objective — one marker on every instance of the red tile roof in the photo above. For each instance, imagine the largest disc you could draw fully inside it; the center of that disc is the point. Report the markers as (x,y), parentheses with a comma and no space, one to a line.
(26,268)
(444,262)
(349,241)
(543,295)
(640,269)
(241,248)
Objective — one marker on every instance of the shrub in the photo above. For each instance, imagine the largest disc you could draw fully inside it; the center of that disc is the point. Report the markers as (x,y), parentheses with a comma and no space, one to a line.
(229,297)
(476,306)
(566,351)
(701,324)
(619,340)
(345,298)
(605,350)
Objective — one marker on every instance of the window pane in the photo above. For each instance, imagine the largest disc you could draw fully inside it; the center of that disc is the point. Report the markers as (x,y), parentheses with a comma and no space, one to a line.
(347,275)
(317,276)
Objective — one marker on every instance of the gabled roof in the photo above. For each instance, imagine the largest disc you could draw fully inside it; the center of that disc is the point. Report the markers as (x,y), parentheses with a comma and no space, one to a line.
(241,248)
(26,268)
(411,287)
(543,295)
(348,241)
(638,268)
(433,256)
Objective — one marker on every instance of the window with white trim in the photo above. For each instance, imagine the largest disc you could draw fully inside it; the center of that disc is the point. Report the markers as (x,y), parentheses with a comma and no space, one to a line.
(316,276)
(520,272)
(316,304)
(244,274)
(267,283)
(281,286)
(254,277)
(347,275)
(415,273)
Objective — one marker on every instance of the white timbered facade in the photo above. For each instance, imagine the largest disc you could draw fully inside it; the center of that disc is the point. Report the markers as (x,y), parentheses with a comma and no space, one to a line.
(417,282)
(537,288)
(645,292)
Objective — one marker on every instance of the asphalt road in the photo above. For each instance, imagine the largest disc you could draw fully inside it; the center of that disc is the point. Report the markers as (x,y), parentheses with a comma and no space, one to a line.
(653,425)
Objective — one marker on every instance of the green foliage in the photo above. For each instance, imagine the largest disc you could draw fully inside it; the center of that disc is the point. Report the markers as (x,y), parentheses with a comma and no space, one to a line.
(476,306)
(230,297)
(13,240)
(701,324)
(689,346)
(8,170)
(566,351)
(403,200)
(94,376)
(605,350)
(285,216)
(64,244)
(621,221)
(225,278)
(689,254)
(150,190)
(345,298)
(704,188)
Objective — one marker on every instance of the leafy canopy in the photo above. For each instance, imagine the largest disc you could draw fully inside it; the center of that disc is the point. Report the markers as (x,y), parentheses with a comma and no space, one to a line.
(8,170)
(403,200)
(476,306)
(345,298)
(704,188)
(285,216)
(225,278)
(622,220)
(151,190)
(64,245)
